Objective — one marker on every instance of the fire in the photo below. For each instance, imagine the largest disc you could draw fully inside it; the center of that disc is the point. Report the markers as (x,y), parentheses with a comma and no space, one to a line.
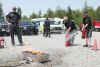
(27,48)
(31,50)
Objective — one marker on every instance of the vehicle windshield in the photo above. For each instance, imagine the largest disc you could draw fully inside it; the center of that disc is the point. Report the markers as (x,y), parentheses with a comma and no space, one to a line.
(26,23)
(36,22)
(55,22)
(2,22)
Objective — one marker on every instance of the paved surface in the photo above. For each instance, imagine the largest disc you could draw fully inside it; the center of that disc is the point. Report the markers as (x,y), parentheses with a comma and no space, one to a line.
(61,56)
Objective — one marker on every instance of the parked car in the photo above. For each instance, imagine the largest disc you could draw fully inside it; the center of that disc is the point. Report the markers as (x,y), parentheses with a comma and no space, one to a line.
(56,27)
(36,28)
(28,28)
(4,28)
(39,22)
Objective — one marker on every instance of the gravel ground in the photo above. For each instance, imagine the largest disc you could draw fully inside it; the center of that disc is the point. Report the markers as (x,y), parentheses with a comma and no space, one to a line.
(60,56)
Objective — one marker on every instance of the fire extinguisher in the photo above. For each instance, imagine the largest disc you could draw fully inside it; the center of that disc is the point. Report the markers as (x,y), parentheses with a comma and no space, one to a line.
(83,34)
(67,42)
(2,41)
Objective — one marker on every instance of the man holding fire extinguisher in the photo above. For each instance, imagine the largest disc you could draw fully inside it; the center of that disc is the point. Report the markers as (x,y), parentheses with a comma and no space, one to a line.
(86,28)
(70,31)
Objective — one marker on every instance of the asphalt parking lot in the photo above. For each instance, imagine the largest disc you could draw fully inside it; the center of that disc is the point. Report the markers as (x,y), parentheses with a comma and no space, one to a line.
(61,56)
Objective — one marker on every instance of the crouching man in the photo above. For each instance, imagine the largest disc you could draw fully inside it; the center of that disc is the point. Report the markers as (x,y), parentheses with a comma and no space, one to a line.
(70,31)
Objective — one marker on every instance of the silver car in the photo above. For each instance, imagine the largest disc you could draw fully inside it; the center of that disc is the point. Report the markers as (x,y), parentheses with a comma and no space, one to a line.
(55,27)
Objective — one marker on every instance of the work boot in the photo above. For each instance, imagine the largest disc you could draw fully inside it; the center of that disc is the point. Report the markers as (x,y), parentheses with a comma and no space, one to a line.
(13,44)
(71,44)
(86,45)
(21,44)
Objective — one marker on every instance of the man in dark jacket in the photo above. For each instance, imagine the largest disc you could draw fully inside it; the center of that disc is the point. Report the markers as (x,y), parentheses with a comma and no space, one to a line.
(87,26)
(70,29)
(47,27)
(13,19)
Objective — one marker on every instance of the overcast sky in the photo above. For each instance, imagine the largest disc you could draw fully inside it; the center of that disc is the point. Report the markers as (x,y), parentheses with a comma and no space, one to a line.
(29,6)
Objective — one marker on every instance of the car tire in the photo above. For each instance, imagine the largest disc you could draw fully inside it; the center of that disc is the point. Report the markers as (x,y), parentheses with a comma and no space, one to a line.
(60,32)
(35,32)
(8,34)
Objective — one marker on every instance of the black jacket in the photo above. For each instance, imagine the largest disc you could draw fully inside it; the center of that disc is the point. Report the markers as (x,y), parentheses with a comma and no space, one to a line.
(13,17)
(71,24)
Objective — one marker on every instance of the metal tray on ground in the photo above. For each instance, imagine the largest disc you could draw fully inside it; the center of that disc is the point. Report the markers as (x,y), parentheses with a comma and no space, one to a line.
(35,57)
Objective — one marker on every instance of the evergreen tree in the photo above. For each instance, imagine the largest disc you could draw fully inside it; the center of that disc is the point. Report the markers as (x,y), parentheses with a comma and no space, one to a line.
(69,13)
(24,18)
(98,13)
(1,11)
(33,15)
(59,12)
(40,13)
(19,11)
(49,13)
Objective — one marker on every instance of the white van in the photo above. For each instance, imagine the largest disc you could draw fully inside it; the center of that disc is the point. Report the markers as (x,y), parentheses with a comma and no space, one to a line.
(56,26)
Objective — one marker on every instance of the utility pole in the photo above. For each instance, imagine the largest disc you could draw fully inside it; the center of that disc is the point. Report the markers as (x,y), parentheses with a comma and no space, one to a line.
(85,8)
(40,13)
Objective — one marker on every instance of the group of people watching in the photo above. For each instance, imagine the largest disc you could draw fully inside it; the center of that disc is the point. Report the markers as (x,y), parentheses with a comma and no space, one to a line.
(13,19)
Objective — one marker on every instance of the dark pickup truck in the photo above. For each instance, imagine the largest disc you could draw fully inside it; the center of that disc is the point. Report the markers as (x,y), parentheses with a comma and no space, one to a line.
(4,28)
(28,27)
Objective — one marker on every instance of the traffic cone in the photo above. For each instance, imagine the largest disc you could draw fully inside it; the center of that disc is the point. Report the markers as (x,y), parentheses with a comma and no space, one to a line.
(95,47)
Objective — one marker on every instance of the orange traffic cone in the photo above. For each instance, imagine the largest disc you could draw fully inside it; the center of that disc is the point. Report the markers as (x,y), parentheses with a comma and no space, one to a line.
(95,47)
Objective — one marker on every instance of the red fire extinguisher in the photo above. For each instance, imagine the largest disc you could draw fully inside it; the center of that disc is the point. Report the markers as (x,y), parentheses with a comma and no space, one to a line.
(2,42)
(67,43)
(83,34)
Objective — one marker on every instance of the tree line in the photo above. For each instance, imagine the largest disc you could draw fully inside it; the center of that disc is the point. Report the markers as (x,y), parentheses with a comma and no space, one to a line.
(59,12)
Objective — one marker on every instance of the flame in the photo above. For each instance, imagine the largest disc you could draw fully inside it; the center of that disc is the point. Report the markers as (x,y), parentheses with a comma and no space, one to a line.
(30,49)
(27,48)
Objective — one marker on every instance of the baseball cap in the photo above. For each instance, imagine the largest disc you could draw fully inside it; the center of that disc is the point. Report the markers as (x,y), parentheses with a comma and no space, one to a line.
(65,18)
(14,8)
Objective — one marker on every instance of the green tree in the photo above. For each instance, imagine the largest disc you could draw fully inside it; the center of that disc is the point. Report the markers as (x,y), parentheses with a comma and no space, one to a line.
(49,13)
(77,16)
(98,13)
(91,12)
(40,13)
(33,15)
(69,13)
(19,11)
(1,10)
(24,18)
(59,12)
